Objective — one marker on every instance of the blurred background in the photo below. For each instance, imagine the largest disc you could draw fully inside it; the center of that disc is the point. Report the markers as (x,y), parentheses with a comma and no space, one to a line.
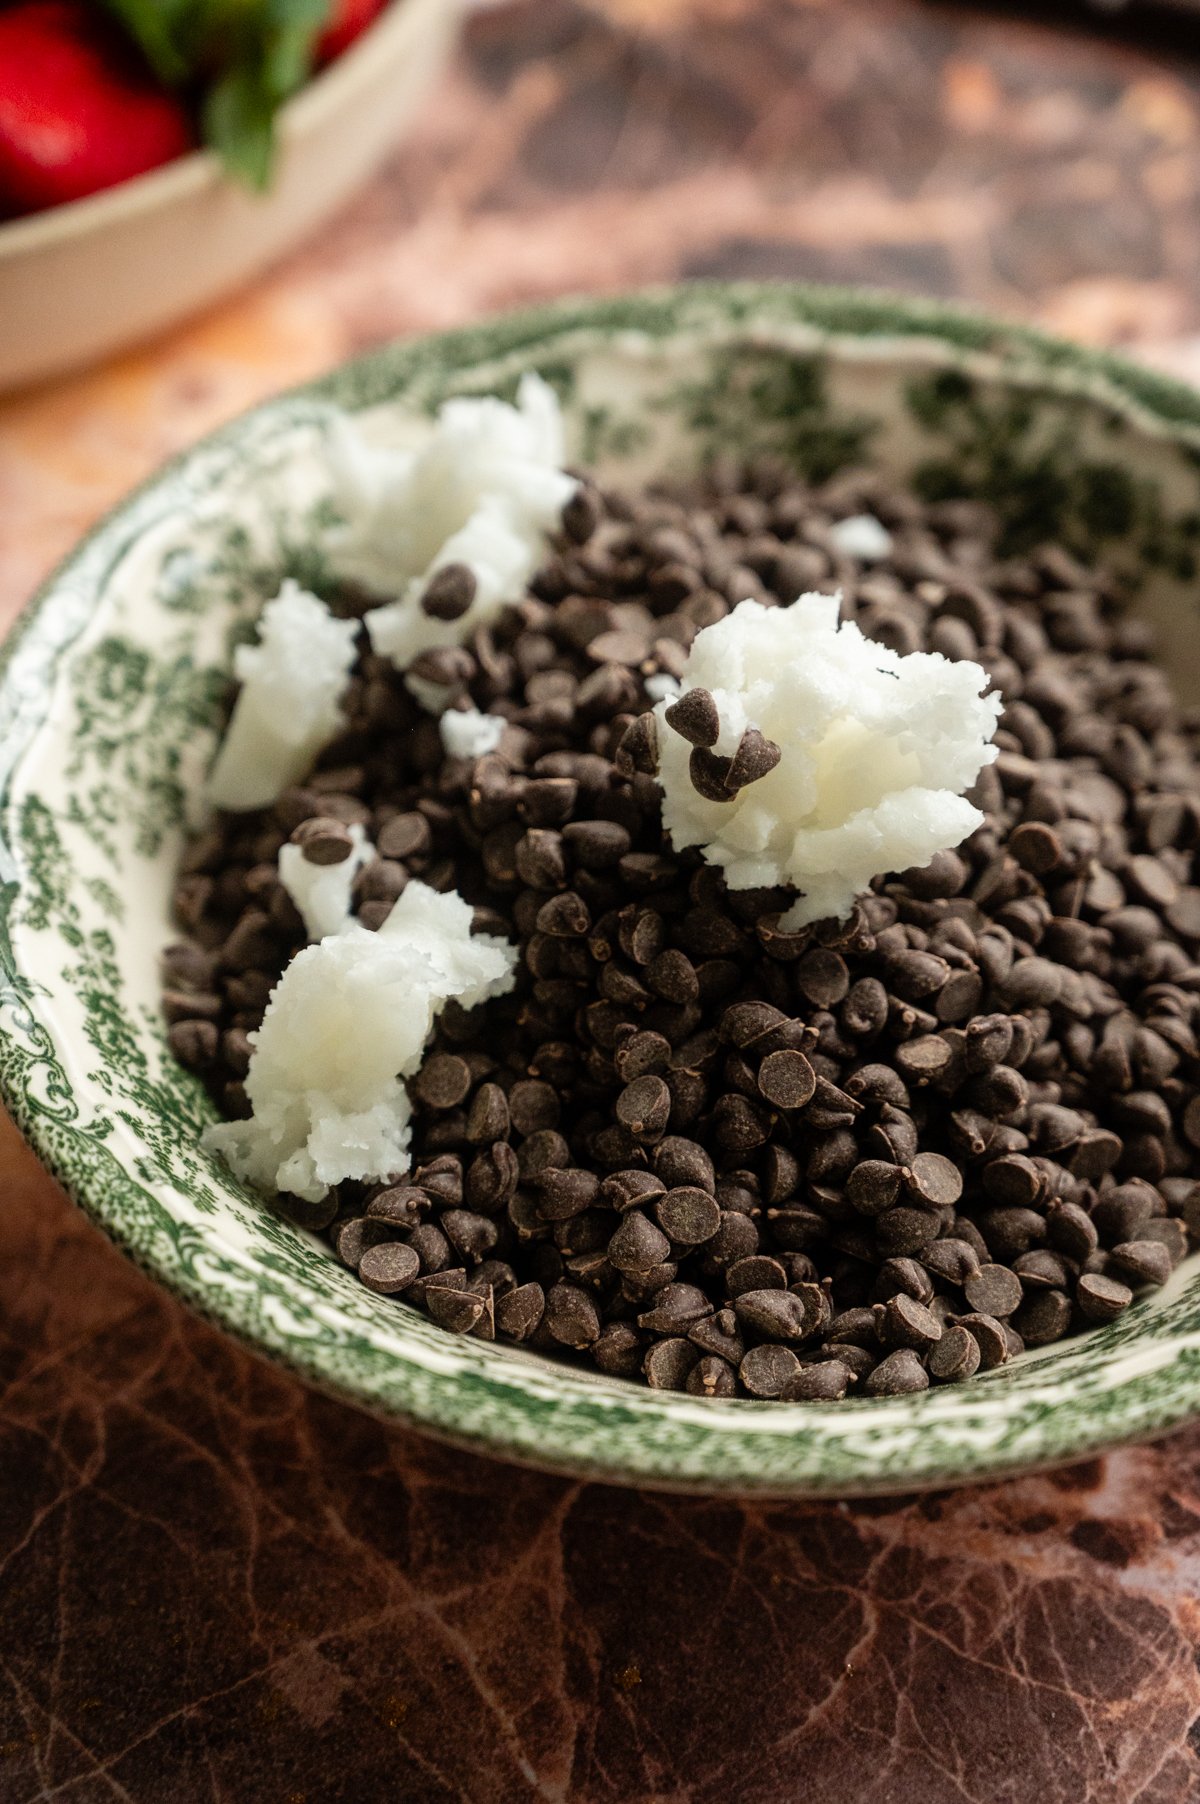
(1041,161)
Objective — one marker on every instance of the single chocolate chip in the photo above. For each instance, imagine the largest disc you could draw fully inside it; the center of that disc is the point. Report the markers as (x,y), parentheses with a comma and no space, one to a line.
(638,750)
(754,757)
(571,1315)
(1142,1261)
(519,1313)
(1043,1270)
(449,592)
(1045,1316)
(826,1381)
(1102,1299)
(618,1350)
(459,1311)
(669,1364)
(323,840)
(905,1323)
(404,836)
(690,1216)
(955,1357)
(564,916)
(786,1080)
(644,1107)
(993,1290)
(873,1186)
(389,1267)
(991,1337)
(443,1081)
(709,775)
(767,1370)
(898,1374)
(533,1105)
(782,1314)
(695,718)
(952,1260)
(637,1245)
(935,1179)
(677,1307)
(712,1377)
(399,1204)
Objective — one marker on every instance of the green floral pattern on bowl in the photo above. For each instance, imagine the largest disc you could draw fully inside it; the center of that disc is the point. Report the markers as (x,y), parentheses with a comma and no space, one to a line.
(110,697)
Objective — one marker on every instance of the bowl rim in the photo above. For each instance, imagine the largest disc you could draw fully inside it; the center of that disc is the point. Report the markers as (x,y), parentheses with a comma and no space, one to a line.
(482,1408)
(327,92)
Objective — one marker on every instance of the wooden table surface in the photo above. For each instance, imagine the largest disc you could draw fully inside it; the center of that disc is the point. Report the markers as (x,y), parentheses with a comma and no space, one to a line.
(218,1588)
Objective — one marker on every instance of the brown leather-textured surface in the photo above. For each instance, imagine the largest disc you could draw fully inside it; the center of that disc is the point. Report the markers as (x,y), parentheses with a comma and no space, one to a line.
(219,1588)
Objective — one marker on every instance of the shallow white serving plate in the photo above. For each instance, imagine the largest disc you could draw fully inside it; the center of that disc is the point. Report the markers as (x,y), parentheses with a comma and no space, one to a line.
(79,281)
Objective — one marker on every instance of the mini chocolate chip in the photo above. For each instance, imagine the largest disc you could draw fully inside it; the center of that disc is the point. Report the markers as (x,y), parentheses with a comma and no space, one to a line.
(644,1107)
(449,592)
(404,836)
(935,1179)
(993,1290)
(389,1267)
(873,1186)
(754,757)
(323,840)
(519,1312)
(1036,847)
(826,1382)
(690,1216)
(1101,1299)
(637,1245)
(786,1080)
(1142,1261)
(443,1081)
(400,1204)
(955,1357)
(564,916)
(898,1374)
(618,1350)
(782,1314)
(533,1105)
(571,1315)
(677,1307)
(906,1323)
(638,750)
(669,1364)
(719,1334)
(1043,1270)
(459,1311)
(488,1119)
(767,1370)
(1045,1316)
(952,1260)
(709,775)
(695,718)
(712,1377)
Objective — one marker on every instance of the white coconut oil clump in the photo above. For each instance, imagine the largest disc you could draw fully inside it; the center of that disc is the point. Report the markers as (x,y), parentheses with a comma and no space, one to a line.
(322,892)
(346,1023)
(479,496)
(293,680)
(466,733)
(801,754)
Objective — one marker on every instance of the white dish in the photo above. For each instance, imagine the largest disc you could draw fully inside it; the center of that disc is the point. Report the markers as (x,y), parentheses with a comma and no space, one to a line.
(82,280)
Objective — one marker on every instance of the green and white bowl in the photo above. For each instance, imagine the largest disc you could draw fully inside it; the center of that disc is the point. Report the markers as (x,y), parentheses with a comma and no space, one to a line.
(110,697)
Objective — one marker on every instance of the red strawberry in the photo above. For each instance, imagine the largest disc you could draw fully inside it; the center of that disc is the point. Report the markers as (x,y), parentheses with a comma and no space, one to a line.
(77,113)
(347,19)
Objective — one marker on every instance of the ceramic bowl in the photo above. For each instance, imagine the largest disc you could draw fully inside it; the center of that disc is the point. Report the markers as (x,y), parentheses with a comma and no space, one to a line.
(82,280)
(110,699)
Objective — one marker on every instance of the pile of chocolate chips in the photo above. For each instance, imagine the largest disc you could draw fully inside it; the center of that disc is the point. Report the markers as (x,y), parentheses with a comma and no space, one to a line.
(692,1149)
